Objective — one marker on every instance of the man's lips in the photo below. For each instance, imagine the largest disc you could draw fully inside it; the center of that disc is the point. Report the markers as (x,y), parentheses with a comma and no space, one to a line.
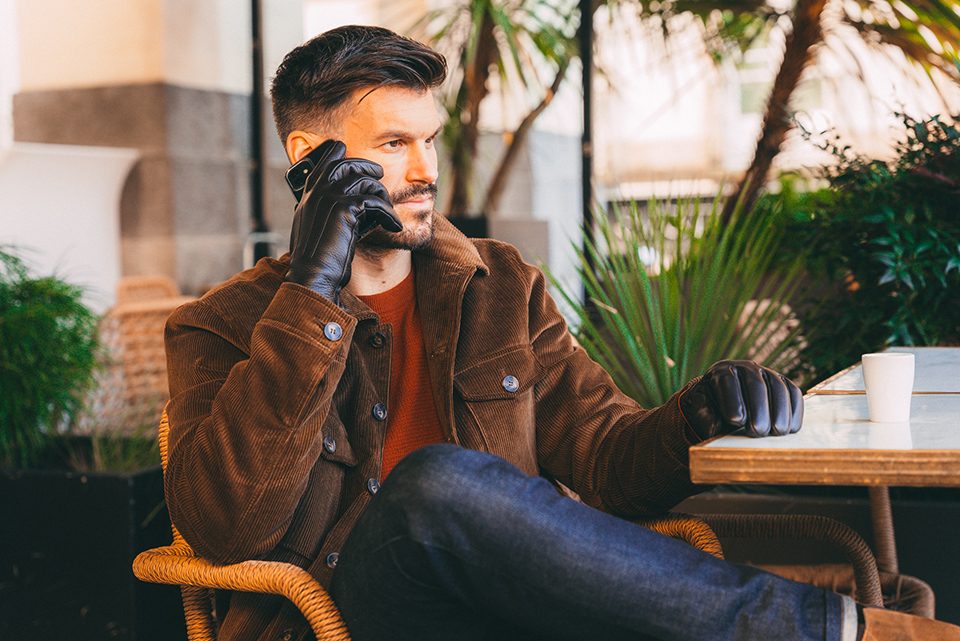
(422,200)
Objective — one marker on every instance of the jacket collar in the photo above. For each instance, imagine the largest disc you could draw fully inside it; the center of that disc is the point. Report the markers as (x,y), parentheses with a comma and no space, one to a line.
(448,253)
(449,245)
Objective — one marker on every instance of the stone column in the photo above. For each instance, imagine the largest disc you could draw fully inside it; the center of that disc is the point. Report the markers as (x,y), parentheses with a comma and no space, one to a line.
(171,78)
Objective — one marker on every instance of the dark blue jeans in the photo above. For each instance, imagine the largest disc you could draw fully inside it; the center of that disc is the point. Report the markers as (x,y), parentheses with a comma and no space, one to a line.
(461,545)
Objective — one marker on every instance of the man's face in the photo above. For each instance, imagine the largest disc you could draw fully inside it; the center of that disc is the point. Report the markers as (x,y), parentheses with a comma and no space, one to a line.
(397,128)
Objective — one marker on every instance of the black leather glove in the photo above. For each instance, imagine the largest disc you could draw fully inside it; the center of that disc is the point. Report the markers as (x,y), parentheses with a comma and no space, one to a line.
(342,201)
(735,394)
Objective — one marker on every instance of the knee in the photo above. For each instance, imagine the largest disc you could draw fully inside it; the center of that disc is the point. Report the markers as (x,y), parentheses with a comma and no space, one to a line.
(431,467)
(437,479)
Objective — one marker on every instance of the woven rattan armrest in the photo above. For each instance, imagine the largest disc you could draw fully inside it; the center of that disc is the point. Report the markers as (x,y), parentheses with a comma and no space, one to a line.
(178,564)
(685,527)
(808,527)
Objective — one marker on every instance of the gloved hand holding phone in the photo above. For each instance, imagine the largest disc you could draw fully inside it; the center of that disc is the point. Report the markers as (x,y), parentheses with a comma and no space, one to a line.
(341,201)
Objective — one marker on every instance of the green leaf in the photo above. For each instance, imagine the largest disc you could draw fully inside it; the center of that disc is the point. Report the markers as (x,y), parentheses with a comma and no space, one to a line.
(659,326)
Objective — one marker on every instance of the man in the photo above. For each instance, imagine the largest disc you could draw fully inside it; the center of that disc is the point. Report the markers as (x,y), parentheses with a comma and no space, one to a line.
(388,348)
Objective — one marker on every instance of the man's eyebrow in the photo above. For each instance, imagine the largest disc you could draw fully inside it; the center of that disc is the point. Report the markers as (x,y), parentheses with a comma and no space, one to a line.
(405,135)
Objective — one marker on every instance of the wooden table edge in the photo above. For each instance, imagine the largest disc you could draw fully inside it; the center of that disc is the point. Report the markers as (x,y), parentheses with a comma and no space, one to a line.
(718,466)
(860,392)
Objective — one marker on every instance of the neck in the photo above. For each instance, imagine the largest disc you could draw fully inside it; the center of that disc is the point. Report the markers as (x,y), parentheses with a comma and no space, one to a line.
(373,272)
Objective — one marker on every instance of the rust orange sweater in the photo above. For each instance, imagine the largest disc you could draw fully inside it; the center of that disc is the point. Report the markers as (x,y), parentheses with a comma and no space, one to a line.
(411,415)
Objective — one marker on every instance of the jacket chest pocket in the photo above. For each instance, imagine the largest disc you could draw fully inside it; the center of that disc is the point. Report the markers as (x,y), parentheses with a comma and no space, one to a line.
(496,407)
(319,507)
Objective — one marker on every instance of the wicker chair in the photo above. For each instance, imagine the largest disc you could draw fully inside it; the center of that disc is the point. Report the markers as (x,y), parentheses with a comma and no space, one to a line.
(133,289)
(131,387)
(178,564)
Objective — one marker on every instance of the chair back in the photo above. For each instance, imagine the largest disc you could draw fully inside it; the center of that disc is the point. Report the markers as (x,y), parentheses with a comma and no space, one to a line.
(134,289)
(198,602)
(131,386)
(163,439)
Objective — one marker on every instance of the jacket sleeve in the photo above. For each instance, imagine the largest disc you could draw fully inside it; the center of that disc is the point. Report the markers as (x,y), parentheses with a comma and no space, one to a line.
(245,425)
(592,437)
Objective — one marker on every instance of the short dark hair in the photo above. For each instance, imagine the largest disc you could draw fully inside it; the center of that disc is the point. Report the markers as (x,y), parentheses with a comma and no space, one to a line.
(318,76)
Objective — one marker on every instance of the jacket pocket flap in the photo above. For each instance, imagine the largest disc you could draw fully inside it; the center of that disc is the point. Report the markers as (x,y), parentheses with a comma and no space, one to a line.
(336,445)
(500,376)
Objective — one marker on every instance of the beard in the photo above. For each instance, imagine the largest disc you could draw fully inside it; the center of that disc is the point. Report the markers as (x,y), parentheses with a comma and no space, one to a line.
(416,233)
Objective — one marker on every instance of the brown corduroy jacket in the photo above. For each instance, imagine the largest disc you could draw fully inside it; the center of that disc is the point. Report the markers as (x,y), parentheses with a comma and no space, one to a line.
(273,438)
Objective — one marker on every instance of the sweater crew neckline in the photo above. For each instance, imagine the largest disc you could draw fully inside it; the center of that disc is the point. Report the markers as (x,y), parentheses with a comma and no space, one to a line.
(393,301)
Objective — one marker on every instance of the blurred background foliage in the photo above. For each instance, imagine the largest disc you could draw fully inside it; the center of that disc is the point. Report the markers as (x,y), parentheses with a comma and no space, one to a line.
(48,353)
(672,288)
(497,46)
(506,46)
(926,32)
(882,242)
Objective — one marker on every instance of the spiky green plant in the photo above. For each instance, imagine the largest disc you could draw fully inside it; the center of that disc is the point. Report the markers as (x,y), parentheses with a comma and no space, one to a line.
(673,290)
(48,347)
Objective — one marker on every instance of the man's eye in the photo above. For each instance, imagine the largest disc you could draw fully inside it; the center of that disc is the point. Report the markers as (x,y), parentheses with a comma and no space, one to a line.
(393,144)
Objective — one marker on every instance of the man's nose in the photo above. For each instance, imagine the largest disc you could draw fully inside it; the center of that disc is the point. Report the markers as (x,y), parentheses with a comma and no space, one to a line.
(422,164)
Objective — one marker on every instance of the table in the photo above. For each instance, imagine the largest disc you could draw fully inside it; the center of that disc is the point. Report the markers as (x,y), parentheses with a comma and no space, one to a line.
(837,444)
(937,372)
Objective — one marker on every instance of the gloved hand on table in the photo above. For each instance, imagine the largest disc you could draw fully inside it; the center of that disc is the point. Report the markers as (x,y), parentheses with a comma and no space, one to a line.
(741,394)
(342,201)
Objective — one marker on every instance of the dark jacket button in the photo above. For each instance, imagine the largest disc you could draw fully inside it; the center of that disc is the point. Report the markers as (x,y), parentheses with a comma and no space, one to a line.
(377,340)
(380,412)
(330,444)
(332,559)
(333,331)
(286,635)
(373,486)
(510,383)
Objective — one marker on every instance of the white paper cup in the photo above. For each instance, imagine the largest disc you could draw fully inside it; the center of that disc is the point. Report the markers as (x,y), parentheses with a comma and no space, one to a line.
(888,380)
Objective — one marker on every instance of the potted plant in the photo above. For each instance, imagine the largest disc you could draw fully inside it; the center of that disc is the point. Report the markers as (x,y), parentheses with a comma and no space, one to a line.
(74,508)
(671,289)
(885,236)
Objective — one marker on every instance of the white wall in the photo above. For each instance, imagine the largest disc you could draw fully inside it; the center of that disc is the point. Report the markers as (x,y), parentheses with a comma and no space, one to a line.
(64,43)
(195,43)
(68,223)
(398,15)
(9,69)
(282,31)
(206,44)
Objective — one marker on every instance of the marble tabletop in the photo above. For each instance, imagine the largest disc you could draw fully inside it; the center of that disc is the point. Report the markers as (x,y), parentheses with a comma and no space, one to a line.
(838,445)
(937,371)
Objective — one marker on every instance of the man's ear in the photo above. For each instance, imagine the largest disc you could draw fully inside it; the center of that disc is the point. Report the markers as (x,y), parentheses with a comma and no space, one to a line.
(299,144)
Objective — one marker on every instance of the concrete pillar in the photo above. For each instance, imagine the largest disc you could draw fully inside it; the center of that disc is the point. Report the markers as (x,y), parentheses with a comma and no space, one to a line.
(172,79)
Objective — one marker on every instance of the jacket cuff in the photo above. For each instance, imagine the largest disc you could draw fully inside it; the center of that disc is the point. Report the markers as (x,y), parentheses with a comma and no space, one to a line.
(678,441)
(311,316)
(689,433)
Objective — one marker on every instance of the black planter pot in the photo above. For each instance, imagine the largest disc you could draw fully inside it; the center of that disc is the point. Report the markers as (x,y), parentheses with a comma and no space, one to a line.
(472,226)
(66,544)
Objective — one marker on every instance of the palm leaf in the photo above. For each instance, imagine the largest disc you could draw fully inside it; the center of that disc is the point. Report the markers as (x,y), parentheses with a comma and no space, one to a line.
(712,292)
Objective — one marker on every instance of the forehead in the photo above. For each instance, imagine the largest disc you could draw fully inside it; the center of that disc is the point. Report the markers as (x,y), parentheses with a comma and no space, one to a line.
(376,109)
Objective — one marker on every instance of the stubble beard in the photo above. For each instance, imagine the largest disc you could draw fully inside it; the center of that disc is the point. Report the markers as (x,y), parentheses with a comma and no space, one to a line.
(415,235)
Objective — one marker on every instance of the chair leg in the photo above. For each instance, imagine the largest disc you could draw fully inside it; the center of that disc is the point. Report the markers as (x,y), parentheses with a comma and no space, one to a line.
(196,611)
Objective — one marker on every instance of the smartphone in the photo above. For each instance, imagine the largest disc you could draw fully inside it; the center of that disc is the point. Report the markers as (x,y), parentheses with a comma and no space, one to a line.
(296,176)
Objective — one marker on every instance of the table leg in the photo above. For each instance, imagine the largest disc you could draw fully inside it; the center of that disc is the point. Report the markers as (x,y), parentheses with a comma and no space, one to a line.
(885,543)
